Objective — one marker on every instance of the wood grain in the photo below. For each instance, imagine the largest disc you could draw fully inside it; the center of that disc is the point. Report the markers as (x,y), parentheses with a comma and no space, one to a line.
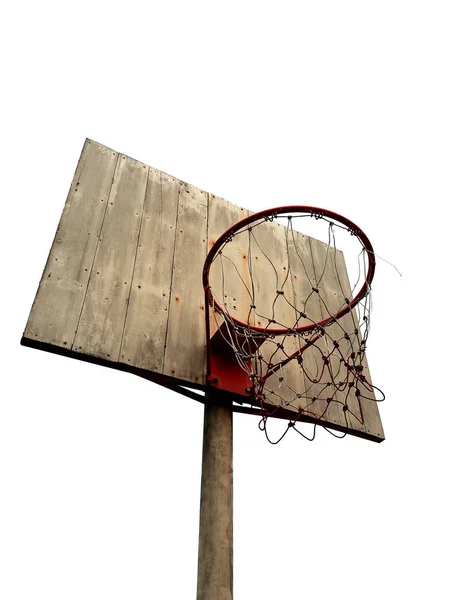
(146,323)
(185,352)
(329,304)
(102,319)
(274,301)
(57,306)
(229,278)
(368,406)
(304,281)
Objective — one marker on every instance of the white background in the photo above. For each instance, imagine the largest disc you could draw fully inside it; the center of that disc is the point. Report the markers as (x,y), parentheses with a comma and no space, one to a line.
(343,105)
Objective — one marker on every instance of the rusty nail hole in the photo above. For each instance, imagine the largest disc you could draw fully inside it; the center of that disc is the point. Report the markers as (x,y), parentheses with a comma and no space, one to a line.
(65,343)
(173,372)
(139,286)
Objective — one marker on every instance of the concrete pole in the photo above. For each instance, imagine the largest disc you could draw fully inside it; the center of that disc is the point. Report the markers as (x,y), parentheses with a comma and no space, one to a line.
(215,554)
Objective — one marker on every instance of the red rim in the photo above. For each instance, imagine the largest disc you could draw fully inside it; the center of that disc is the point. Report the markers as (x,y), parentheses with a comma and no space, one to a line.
(272,213)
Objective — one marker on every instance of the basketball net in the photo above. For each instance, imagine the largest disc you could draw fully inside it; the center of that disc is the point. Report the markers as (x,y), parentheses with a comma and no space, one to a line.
(303,340)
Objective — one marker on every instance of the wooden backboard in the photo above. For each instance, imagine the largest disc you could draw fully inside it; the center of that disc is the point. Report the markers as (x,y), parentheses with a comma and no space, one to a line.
(122,286)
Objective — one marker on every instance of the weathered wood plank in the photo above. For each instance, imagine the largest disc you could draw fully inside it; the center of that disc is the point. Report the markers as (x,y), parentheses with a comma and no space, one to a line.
(304,282)
(185,352)
(346,324)
(146,323)
(57,306)
(274,300)
(101,323)
(229,289)
(330,304)
(368,406)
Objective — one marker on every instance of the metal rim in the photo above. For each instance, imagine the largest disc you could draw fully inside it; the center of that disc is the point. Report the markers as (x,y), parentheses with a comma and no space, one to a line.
(272,213)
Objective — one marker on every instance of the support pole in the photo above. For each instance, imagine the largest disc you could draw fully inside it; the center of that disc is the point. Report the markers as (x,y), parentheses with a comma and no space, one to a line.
(215,553)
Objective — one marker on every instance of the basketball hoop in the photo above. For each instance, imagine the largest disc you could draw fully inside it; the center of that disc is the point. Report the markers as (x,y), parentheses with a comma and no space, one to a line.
(296,350)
